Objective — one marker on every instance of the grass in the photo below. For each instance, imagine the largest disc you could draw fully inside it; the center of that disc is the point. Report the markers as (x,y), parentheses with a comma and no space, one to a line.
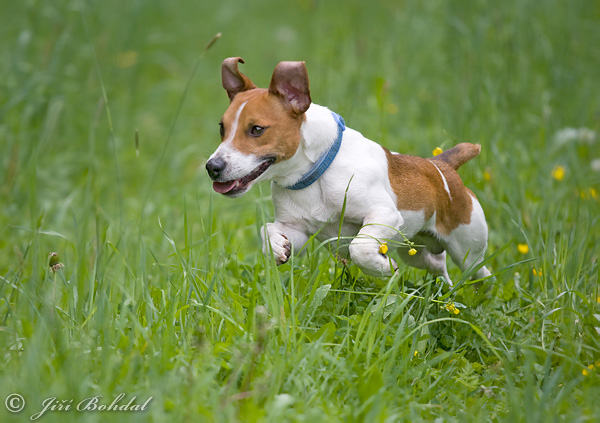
(108,111)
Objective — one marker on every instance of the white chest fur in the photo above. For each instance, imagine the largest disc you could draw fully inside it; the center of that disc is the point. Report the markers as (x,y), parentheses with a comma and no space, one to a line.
(357,177)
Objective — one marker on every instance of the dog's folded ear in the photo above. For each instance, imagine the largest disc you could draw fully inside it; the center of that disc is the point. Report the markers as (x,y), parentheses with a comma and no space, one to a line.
(290,83)
(234,81)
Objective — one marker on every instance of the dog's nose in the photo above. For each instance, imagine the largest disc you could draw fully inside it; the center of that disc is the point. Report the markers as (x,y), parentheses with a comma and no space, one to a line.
(215,166)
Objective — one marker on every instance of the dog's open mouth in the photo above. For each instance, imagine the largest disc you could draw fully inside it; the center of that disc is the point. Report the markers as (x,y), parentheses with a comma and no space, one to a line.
(240,185)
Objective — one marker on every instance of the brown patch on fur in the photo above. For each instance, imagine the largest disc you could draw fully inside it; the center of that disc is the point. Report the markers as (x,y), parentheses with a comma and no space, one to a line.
(419,186)
(281,136)
(459,154)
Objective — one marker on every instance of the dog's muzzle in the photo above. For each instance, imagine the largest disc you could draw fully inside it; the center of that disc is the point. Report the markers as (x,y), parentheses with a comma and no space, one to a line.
(234,187)
(215,167)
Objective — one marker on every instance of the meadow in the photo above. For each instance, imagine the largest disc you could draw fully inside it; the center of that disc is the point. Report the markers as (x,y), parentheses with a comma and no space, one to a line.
(108,112)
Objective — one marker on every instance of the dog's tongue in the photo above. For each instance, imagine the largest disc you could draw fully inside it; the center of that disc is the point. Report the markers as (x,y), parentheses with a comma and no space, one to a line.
(224,187)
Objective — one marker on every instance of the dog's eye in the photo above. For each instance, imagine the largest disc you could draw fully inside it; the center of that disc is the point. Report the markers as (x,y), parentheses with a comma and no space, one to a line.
(222,129)
(257,131)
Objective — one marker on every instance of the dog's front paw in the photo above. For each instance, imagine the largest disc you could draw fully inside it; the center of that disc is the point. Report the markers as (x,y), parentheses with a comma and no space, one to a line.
(282,249)
(278,243)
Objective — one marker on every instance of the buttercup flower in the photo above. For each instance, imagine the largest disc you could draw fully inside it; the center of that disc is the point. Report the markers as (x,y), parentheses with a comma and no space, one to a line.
(437,151)
(558,172)
(523,248)
(590,193)
(537,272)
(412,252)
(452,308)
(383,248)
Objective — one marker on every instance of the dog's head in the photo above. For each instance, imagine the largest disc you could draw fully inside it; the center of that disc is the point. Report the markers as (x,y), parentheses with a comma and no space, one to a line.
(260,128)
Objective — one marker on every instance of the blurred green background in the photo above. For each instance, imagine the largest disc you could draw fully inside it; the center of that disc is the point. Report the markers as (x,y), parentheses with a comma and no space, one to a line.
(412,75)
(144,240)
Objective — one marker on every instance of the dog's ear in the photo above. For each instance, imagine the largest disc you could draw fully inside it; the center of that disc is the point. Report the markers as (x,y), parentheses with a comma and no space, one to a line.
(234,81)
(290,83)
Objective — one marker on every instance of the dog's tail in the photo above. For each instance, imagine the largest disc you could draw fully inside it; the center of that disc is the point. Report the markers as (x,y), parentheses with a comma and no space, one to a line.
(459,154)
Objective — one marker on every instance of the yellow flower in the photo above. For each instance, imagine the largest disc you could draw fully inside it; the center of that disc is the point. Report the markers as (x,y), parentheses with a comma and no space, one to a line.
(412,252)
(437,151)
(487,176)
(523,248)
(416,353)
(558,172)
(590,193)
(585,372)
(537,272)
(452,308)
(383,248)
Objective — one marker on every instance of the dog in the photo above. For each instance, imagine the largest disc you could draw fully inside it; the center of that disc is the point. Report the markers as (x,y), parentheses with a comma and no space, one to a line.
(322,172)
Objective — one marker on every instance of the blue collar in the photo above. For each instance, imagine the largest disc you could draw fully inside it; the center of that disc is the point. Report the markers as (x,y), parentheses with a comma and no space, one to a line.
(324,161)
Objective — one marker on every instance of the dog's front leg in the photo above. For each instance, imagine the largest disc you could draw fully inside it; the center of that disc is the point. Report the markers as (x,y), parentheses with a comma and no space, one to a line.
(380,226)
(278,238)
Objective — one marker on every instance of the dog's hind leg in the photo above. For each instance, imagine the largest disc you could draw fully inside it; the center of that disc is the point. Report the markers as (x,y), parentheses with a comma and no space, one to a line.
(425,259)
(467,243)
